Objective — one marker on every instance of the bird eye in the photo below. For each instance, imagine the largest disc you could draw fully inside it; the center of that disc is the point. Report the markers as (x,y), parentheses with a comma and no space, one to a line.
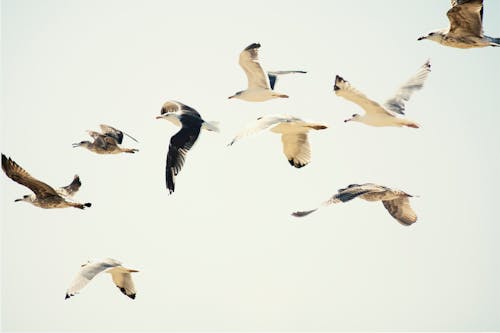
(354,115)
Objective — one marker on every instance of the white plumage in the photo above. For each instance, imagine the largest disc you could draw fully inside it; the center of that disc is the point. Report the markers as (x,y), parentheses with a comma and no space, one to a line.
(120,275)
(293,135)
(387,114)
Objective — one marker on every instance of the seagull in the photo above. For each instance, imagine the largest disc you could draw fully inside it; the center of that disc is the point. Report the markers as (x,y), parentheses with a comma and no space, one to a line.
(44,195)
(191,123)
(106,142)
(260,84)
(293,135)
(383,115)
(120,275)
(395,201)
(466,27)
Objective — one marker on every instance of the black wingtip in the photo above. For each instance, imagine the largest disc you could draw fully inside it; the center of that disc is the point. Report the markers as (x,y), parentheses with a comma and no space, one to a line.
(131,296)
(87,204)
(67,296)
(252,46)
(337,80)
(298,165)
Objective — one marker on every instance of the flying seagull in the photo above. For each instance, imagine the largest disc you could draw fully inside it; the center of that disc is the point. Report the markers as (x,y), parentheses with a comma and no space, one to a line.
(106,142)
(466,27)
(395,201)
(120,275)
(293,135)
(260,84)
(387,114)
(44,195)
(191,124)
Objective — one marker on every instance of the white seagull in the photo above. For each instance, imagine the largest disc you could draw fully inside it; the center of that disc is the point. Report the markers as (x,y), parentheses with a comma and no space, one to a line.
(120,275)
(395,201)
(260,84)
(106,142)
(466,27)
(387,114)
(44,196)
(293,135)
(191,124)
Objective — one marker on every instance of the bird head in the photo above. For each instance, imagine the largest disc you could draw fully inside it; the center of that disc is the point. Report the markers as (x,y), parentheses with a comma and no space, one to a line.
(436,36)
(81,144)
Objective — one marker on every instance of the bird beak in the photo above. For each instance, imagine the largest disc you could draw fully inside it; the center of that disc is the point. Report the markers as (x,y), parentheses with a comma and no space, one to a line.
(420,38)
(18,200)
(231,97)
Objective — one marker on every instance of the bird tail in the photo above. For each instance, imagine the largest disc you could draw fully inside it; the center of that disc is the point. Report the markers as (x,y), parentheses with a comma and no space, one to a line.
(81,206)
(211,126)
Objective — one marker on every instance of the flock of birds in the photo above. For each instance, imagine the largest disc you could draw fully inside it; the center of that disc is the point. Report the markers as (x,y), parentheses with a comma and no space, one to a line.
(465,31)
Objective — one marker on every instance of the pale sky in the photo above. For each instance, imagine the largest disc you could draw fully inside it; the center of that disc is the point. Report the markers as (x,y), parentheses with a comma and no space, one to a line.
(222,252)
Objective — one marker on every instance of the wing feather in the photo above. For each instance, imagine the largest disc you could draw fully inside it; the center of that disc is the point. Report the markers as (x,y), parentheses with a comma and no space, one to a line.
(180,144)
(416,82)
(259,125)
(401,210)
(344,89)
(249,61)
(87,273)
(466,18)
(296,148)
(123,280)
(21,176)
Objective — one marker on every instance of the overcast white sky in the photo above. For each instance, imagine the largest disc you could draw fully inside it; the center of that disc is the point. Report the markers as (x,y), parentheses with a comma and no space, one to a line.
(223,252)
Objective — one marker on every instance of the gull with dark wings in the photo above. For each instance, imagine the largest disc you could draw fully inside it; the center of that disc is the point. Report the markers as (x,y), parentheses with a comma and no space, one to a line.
(387,114)
(106,142)
(44,196)
(260,84)
(293,135)
(121,276)
(395,201)
(466,27)
(191,124)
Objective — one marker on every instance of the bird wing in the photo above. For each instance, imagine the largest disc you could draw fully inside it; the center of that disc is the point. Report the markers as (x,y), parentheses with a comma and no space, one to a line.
(416,82)
(21,176)
(273,76)
(345,194)
(71,189)
(114,133)
(466,18)
(87,273)
(180,144)
(123,280)
(259,125)
(249,61)
(296,148)
(401,210)
(344,89)
(175,106)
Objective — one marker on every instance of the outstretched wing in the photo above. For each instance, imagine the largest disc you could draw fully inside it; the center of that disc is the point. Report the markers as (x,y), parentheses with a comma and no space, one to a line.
(21,176)
(401,210)
(180,144)
(344,89)
(296,148)
(87,273)
(345,194)
(416,82)
(249,61)
(466,18)
(273,76)
(71,189)
(259,125)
